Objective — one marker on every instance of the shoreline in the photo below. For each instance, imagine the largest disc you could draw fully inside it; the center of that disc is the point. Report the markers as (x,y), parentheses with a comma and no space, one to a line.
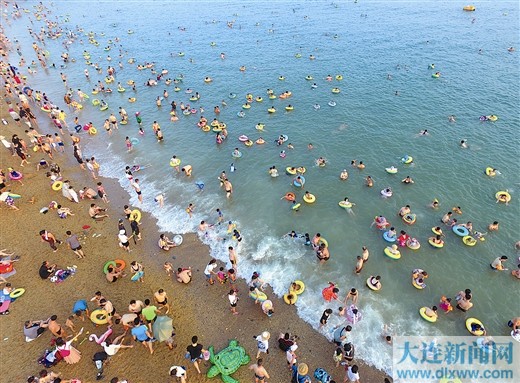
(194,307)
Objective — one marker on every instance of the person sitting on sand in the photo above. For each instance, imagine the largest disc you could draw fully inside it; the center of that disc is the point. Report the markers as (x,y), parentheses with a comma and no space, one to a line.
(96,212)
(113,274)
(184,275)
(166,243)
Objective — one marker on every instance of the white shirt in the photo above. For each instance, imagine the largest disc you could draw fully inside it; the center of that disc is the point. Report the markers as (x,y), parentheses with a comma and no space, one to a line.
(209,268)
(122,238)
(232,298)
(351,376)
(180,371)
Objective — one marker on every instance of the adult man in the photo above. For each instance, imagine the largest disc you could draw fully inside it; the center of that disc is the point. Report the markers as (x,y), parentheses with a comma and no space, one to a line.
(260,373)
(141,334)
(195,350)
(96,212)
(46,270)
(184,275)
(73,244)
(150,313)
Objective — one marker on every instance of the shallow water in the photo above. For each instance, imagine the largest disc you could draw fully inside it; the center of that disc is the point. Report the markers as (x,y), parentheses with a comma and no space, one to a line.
(369,123)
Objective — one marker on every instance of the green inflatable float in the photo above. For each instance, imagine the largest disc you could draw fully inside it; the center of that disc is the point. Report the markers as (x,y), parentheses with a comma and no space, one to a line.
(227,361)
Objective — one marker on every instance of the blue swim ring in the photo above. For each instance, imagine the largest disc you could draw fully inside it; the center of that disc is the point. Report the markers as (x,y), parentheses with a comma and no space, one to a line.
(232,95)
(134,141)
(388,238)
(460,230)
(297,184)
(236,155)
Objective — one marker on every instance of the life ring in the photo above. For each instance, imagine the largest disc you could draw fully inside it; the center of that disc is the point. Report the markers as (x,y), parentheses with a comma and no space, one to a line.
(418,286)
(371,286)
(290,171)
(296,207)
(92,131)
(243,138)
(260,296)
(414,247)
(289,108)
(490,172)
(260,141)
(389,238)
(14,175)
(238,154)
(132,99)
(339,77)
(471,321)
(290,196)
(310,199)
(17,293)
(175,162)
(57,185)
(271,110)
(410,218)
(407,159)
(435,231)
(391,170)
(99,316)
(392,255)
(95,102)
(248,143)
(107,264)
(468,240)
(323,241)
(336,90)
(135,215)
(137,276)
(436,245)
(422,312)
(460,230)
(299,184)
(345,204)
(300,290)
(505,194)
(134,141)
(290,298)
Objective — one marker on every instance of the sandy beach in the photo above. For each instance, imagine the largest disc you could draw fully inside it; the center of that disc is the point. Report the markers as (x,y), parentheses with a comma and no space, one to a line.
(196,309)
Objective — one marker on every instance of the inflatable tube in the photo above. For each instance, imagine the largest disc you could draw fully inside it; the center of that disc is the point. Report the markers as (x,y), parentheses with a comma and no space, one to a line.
(298,184)
(177,239)
(323,241)
(260,126)
(95,102)
(391,170)
(14,175)
(407,159)
(92,131)
(468,240)
(336,90)
(418,286)
(260,297)
(300,290)
(104,107)
(134,141)
(135,215)
(460,230)
(296,207)
(232,95)
(311,198)
(389,238)
(260,141)
(290,298)
(409,219)
(503,193)
(109,263)
(241,114)
(242,138)
(175,162)
(471,321)
(422,312)
(344,204)
(246,106)
(57,185)
(332,103)
(99,316)
(371,286)
(120,264)
(121,90)
(290,196)
(492,117)
(436,245)
(289,108)
(271,110)
(392,255)
(137,276)
(436,75)
(301,170)
(17,293)
(236,155)
(413,247)
(489,172)
(386,194)
(339,77)
(435,231)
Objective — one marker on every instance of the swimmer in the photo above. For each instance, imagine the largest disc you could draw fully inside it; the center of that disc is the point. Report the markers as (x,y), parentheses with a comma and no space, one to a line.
(187,170)
(361,165)
(493,226)
(445,304)
(310,146)
(463,144)
(451,118)
(353,163)
(290,146)
(407,180)
(404,210)
(502,197)
(190,209)
(446,218)
(369,181)
(343,175)
(321,161)
(457,209)
(424,132)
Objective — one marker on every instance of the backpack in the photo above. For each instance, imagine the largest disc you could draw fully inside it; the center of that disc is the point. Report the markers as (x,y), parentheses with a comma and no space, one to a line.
(321,375)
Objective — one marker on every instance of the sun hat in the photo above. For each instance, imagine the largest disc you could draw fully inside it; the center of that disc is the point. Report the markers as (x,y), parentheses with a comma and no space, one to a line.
(266,335)
(303,369)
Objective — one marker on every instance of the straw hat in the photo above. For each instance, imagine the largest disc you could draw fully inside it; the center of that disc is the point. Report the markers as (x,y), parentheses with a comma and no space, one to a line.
(303,369)
(266,335)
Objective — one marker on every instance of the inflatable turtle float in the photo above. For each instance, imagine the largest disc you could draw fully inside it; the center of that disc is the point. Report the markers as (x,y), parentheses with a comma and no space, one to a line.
(227,361)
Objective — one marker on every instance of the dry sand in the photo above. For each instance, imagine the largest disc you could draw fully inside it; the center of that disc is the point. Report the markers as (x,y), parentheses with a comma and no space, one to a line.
(197,309)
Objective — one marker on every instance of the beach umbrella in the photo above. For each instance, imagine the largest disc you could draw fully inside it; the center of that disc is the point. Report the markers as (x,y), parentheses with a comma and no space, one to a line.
(162,328)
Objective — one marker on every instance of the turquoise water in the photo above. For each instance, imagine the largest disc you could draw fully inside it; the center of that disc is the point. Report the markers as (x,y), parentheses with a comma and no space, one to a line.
(369,123)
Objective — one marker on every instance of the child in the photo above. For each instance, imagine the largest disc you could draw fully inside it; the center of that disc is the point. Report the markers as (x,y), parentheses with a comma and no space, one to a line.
(190,209)
(221,276)
(232,276)
(70,323)
(101,192)
(170,342)
(445,304)
(168,267)
(338,356)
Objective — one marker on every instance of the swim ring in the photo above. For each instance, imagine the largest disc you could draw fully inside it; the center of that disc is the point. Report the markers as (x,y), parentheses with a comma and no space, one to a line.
(242,138)
(339,77)
(310,199)
(258,295)
(436,245)
(336,90)
(413,247)
(344,204)
(471,321)
(388,238)
(460,230)
(57,185)
(422,312)
(135,215)
(92,131)
(290,298)
(371,286)
(99,316)
(95,102)
(503,193)
(298,184)
(332,103)
(175,162)
(391,170)
(236,155)
(17,293)
(489,172)
(290,196)
(386,193)
(390,254)
(410,218)
(407,159)
(290,170)
(300,290)
(468,240)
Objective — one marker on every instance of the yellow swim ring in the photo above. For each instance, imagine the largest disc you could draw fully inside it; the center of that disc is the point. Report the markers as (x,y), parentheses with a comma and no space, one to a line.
(57,185)
(506,196)
(324,241)
(471,321)
(92,131)
(392,255)
(490,172)
(468,240)
(175,162)
(300,288)
(99,316)
(135,215)
(311,198)
(290,298)
(422,312)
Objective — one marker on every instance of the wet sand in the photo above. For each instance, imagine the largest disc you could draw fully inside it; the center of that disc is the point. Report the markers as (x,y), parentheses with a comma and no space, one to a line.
(196,309)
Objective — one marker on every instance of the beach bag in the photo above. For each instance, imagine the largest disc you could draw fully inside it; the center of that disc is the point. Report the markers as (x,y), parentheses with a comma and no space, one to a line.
(321,375)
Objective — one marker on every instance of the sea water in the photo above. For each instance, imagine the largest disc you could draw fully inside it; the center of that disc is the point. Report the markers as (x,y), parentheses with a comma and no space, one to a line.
(379,48)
